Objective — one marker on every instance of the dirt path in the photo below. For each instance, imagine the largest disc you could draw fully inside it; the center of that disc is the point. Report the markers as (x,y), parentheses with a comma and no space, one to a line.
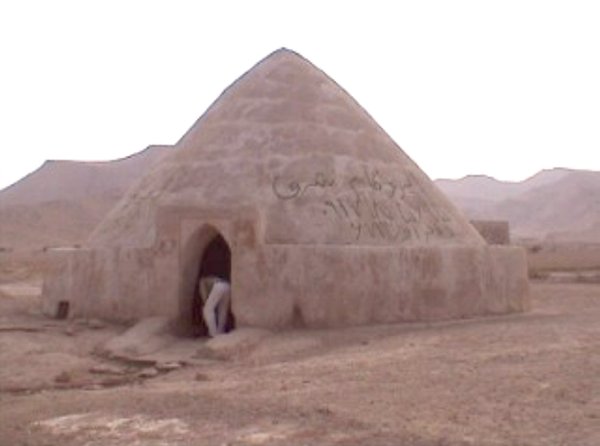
(532,379)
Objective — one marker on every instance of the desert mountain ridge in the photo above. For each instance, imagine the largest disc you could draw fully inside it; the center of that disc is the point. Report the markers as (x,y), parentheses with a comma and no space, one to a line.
(487,187)
(555,204)
(63,201)
(57,180)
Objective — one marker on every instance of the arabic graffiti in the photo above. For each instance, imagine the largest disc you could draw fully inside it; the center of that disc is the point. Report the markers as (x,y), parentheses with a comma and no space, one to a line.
(294,189)
(372,205)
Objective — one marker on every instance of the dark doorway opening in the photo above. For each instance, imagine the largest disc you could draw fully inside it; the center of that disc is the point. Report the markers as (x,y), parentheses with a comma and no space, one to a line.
(62,311)
(215,261)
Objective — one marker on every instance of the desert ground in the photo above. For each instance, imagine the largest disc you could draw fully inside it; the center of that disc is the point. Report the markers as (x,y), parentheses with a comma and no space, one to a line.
(528,379)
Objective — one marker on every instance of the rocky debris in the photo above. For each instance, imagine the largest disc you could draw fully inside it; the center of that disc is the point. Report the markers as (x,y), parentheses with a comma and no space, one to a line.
(105,369)
(70,330)
(114,381)
(104,428)
(147,336)
(148,372)
(96,324)
(182,350)
(63,378)
(168,366)
(201,377)
(234,344)
(25,328)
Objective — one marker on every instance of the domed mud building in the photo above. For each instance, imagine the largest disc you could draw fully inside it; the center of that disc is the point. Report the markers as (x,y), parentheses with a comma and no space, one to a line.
(288,187)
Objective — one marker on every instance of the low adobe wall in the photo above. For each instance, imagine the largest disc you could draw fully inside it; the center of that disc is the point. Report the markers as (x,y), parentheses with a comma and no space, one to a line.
(277,286)
(113,284)
(331,286)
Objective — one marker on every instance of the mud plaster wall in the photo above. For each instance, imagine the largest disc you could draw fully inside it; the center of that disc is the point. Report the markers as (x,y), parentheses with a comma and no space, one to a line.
(281,285)
(115,284)
(327,286)
(493,232)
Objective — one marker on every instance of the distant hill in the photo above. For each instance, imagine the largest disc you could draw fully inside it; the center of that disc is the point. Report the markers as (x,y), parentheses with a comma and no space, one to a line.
(62,201)
(490,189)
(557,204)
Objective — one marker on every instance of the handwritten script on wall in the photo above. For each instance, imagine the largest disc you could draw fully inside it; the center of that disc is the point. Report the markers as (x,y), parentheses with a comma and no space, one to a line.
(371,205)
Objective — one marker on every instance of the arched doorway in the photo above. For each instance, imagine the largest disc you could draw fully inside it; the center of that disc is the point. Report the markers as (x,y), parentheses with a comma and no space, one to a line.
(215,260)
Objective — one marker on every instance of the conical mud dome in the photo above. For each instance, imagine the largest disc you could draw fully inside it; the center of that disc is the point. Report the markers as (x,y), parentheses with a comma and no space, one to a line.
(325,222)
(288,142)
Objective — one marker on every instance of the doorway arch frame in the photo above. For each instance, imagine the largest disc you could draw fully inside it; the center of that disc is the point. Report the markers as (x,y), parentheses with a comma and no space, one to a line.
(191,254)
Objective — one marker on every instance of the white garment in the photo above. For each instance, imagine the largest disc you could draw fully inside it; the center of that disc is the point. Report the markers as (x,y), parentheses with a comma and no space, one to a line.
(216,305)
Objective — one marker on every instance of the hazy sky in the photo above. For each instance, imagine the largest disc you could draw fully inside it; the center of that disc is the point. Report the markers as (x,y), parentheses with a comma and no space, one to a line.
(503,88)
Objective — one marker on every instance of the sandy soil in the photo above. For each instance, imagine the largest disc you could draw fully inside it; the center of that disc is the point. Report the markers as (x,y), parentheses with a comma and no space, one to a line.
(529,379)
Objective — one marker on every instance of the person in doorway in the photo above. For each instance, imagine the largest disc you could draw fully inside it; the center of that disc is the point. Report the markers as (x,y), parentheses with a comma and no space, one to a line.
(216,297)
